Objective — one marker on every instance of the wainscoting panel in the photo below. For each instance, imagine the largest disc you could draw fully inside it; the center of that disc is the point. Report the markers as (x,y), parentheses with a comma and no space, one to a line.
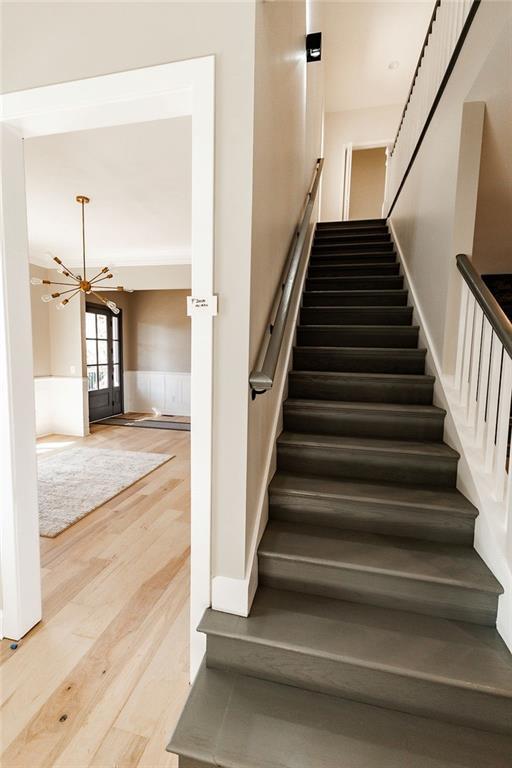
(61,405)
(167,391)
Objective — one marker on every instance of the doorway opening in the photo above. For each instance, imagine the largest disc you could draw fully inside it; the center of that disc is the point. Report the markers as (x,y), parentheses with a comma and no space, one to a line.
(134,97)
(364,181)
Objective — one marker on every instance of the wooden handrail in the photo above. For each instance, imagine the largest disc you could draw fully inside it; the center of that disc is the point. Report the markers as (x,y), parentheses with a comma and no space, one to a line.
(498,320)
(262,379)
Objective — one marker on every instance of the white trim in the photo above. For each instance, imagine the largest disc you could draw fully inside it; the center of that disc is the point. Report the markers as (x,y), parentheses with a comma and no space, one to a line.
(490,541)
(150,93)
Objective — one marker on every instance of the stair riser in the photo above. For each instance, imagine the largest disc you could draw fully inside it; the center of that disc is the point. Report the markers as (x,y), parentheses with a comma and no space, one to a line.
(308,386)
(188,762)
(353,246)
(339,238)
(352,336)
(353,223)
(406,469)
(391,427)
(380,589)
(361,283)
(371,686)
(377,298)
(358,316)
(342,360)
(328,270)
(359,258)
(349,514)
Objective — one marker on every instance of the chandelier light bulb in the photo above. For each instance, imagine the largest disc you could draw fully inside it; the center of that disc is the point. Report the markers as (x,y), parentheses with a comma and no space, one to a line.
(46,298)
(60,305)
(113,307)
(36,281)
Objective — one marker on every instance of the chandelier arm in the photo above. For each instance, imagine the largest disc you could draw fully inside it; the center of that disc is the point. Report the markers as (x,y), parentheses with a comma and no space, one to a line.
(100,298)
(53,282)
(100,279)
(71,274)
(70,297)
(73,290)
(98,276)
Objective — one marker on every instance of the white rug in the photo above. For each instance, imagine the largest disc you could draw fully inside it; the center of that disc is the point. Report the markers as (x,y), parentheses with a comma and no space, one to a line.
(74,482)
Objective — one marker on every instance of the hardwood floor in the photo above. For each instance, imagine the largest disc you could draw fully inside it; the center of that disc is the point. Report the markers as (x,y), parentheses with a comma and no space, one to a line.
(102,679)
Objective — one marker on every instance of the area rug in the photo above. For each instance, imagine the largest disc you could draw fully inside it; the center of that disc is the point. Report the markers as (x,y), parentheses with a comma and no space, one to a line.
(73,483)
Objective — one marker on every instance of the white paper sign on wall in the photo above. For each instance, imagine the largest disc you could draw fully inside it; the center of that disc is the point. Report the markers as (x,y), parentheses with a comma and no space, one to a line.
(202,305)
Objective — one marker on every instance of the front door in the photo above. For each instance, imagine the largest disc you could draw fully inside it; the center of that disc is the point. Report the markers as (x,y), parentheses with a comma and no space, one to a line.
(103,340)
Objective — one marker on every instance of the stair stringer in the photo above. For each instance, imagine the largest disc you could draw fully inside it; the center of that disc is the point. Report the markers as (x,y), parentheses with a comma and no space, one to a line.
(490,539)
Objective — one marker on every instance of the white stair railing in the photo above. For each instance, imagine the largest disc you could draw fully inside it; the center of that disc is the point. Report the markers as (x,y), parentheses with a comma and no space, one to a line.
(446,32)
(483,386)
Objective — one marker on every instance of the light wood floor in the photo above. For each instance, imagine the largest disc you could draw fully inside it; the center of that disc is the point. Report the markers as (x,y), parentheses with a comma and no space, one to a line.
(102,679)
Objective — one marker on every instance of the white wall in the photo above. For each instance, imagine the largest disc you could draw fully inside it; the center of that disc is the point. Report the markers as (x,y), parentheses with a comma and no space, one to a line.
(424,216)
(48,43)
(357,126)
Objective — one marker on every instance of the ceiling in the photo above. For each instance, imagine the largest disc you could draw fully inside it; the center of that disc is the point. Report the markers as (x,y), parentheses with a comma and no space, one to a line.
(360,40)
(138,177)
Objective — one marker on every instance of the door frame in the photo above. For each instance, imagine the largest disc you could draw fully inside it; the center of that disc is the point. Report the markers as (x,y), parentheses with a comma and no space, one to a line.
(346,172)
(134,96)
(100,309)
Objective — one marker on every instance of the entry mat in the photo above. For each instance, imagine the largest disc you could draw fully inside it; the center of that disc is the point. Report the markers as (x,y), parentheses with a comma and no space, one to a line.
(146,422)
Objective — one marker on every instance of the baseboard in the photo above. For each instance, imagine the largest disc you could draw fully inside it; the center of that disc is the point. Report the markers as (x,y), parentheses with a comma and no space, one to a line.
(470,481)
(232,595)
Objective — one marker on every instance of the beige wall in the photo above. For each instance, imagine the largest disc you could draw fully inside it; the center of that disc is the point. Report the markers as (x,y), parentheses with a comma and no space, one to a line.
(424,216)
(160,332)
(492,248)
(40,324)
(367,183)
(156,330)
(358,126)
(56,335)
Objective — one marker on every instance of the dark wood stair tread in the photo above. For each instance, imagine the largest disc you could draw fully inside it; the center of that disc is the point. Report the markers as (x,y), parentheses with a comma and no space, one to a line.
(411,497)
(406,558)
(454,653)
(232,720)
(368,444)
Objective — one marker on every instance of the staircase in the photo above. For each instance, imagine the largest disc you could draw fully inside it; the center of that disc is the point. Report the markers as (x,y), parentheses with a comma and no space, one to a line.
(371,641)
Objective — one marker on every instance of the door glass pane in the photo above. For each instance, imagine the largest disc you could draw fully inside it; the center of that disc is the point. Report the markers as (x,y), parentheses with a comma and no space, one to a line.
(90,325)
(103,377)
(102,327)
(115,327)
(102,351)
(91,352)
(116,376)
(92,378)
(115,346)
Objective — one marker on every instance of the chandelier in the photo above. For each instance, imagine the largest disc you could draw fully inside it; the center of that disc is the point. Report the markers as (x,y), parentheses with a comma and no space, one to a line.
(80,283)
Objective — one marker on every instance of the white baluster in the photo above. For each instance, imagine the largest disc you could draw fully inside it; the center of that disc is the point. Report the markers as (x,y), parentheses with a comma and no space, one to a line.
(461,337)
(492,405)
(474,372)
(483,388)
(505,400)
(468,344)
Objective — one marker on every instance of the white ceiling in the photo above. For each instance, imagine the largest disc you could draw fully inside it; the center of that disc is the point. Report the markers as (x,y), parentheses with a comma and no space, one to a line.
(359,40)
(139,180)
